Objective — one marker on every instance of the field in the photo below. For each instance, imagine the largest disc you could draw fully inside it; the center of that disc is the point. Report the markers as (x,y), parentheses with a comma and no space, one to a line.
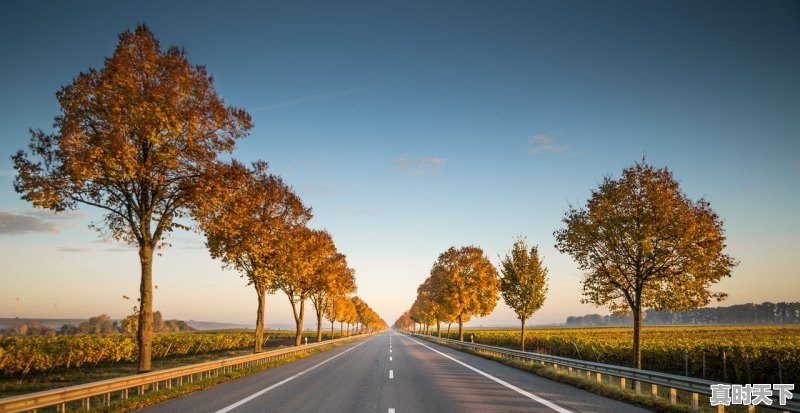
(29,364)
(738,354)
(20,356)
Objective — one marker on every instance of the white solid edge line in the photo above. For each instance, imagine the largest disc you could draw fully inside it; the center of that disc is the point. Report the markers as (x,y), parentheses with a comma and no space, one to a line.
(506,384)
(260,392)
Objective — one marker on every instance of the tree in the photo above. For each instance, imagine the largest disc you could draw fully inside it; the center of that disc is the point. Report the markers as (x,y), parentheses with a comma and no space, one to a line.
(335,310)
(404,322)
(246,216)
(296,275)
(471,283)
(642,243)
(131,139)
(524,282)
(333,279)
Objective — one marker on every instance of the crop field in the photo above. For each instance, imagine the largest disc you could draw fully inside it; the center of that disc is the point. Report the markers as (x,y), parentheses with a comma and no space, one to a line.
(21,356)
(737,354)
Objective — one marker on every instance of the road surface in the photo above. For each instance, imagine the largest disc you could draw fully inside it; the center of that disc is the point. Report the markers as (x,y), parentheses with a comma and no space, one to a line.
(392,373)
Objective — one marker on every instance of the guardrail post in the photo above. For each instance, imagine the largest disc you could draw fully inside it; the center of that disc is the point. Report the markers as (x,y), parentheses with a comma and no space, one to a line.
(124,394)
(599,378)
(720,408)
(673,396)
(86,404)
(654,390)
(751,408)
(107,399)
(637,385)
(695,402)
(622,383)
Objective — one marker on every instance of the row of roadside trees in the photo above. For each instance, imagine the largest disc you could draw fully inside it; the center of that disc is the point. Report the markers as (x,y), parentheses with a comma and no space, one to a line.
(463,283)
(144,140)
(640,241)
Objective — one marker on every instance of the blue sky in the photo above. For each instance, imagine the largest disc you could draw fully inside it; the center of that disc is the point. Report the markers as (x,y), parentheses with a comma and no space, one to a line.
(413,127)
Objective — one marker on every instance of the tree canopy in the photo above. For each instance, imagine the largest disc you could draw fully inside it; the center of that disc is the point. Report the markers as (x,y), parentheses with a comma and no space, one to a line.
(524,282)
(643,243)
(131,139)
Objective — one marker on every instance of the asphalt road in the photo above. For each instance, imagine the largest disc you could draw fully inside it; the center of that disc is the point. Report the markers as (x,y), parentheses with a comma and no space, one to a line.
(392,373)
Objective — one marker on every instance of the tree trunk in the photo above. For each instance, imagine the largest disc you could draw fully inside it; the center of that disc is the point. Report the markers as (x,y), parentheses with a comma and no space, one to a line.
(460,329)
(262,298)
(319,326)
(298,337)
(341,329)
(637,329)
(438,328)
(522,336)
(332,329)
(449,323)
(144,336)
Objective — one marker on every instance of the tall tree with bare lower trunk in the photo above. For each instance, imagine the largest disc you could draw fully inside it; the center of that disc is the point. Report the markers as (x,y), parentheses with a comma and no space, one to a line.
(131,139)
(644,244)
(305,253)
(524,282)
(333,279)
(335,309)
(246,216)
(471,282)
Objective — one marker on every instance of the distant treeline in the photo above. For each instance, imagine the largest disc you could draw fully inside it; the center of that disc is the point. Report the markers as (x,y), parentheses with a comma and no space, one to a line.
(101,324)
(764,313)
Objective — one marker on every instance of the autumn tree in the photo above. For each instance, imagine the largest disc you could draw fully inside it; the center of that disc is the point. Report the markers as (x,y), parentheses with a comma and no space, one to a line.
(333,279)
(247,216)
(643,243)
(524,282)
(421,313)
(360,308)
(404,322)
(335,308)
(296,274)
(471,282)
(349,315)
(131,139)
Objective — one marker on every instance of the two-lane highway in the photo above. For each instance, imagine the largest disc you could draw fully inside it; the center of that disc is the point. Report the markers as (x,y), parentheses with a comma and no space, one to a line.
(392,373)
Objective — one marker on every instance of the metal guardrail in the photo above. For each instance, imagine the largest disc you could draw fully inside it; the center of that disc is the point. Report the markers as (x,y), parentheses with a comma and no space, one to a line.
(694,386)
(153,380)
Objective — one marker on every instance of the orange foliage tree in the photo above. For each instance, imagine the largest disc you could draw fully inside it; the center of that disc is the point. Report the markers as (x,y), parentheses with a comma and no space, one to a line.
(471,282)
(246,216)
(131,139)
(644,244)
(333,279)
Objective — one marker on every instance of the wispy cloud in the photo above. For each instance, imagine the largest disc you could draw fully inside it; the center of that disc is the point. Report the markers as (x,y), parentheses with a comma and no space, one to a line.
(544,143)
(72,249)
(17,224)
(322,189)
(312,99)
(120,249)
(419,166)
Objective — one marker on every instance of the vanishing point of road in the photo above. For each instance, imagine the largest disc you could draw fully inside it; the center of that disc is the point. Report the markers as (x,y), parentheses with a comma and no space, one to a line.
(392,373)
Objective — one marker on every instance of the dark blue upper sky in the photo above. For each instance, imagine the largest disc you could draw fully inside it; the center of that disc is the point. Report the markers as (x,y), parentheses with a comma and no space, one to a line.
(412,126)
